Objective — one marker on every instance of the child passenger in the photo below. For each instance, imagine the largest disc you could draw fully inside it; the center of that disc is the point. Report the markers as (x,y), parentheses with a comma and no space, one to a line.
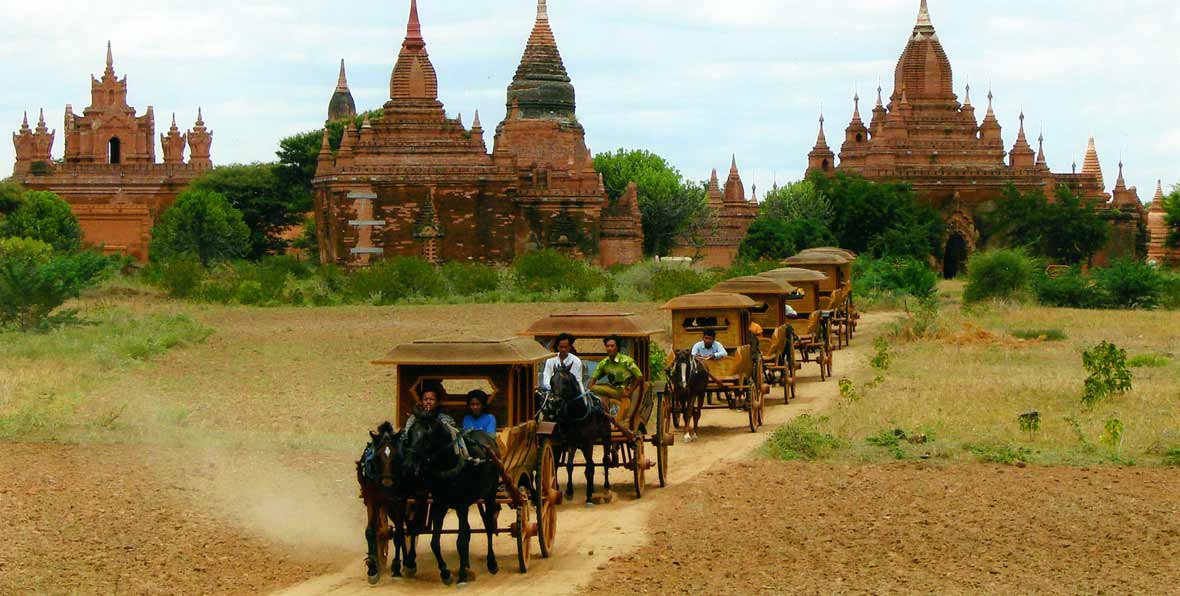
(478,418)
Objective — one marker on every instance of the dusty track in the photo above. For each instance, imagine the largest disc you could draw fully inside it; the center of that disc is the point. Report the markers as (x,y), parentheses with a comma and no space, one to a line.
(588,538)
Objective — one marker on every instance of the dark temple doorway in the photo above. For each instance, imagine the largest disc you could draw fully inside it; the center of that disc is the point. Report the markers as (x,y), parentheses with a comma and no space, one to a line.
(954,261)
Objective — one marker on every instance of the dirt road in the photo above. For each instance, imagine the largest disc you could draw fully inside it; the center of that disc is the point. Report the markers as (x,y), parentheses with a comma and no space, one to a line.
(587,538)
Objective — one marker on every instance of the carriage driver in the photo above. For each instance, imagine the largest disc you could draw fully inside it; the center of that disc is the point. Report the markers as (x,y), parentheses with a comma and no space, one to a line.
(563,359)
(616,379)
(709,348)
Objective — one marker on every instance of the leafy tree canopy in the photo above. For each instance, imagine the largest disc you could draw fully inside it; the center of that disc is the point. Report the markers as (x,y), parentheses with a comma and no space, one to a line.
(268,205)
(776,238)
(1172,208)
(669,206)
(200,225)
(798,200)
(299,154)
(35,281)
(1069,230)
(882,219)
(43,216)
(11,195)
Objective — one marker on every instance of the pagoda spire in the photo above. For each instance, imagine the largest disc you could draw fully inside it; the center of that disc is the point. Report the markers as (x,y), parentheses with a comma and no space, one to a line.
(924,24)
(880,104)
(856,107)
(821,142)
(414,77)
(1121,183)
(1022,154)
(42,128)
(541,87)
(1041,150)
(990,97)
(1091,165)
(735,190)
(342,79)
(967,97)
(24,125)
(110,71)
(1159,191)
(476,127)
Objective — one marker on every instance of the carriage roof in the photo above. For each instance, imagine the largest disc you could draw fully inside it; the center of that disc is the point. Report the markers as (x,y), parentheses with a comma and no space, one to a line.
(831,249)
(818,258)
(756,285)
(710,301)
(795,275)
(474,352)
(592,324)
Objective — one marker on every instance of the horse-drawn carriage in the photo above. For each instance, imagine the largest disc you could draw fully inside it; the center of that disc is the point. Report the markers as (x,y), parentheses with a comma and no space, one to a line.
(837,264)
(812,325)
(505,370)
(646,419)
(777,338)
(736,381)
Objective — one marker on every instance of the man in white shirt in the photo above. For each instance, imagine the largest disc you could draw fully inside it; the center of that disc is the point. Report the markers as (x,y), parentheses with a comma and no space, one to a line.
(709,348)
(563,359)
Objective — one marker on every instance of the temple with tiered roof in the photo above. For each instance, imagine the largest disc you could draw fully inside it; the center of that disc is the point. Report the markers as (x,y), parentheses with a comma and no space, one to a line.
(925,137)
(417,182)
(109,174)
(730,215)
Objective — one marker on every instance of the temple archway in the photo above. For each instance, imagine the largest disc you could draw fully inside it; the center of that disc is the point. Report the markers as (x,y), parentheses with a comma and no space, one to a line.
(114,151)
(954,258)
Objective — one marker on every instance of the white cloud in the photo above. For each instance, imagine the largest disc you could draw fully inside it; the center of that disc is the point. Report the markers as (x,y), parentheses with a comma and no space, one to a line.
(690,79)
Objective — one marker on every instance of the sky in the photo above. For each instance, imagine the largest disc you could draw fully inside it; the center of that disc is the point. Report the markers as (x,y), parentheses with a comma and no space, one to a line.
(695,81)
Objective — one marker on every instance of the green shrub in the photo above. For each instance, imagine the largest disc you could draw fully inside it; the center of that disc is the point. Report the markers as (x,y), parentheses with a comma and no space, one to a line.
(180,277)
(1170,290)
(203,226)
(748,268)
(894,276)
(1000,453)
(43,216)
(389,280)
(1003,274)
(250,293)
(802,439)
(1069,290)
(1109,375)
(1149,361)
(1131,284)
(667,284)
(1039,334)
(469,279)
(34,282)
(549,270)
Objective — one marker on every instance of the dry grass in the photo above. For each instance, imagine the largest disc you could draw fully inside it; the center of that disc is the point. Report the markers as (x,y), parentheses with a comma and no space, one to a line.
(964,389)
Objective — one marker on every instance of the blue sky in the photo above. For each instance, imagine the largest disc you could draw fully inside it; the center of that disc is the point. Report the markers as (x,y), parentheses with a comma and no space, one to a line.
(692,80)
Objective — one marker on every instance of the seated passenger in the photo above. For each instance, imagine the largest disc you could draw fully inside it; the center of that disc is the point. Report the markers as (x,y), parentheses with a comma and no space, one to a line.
(478,418)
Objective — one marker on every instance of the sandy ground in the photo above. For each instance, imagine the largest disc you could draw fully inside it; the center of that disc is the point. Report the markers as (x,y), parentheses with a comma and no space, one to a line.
(764,527)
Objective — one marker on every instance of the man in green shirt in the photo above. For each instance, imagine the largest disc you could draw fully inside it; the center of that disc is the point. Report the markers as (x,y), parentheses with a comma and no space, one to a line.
(616,378)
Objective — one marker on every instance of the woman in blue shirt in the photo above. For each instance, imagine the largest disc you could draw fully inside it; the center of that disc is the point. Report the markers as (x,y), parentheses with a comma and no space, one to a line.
(478,418)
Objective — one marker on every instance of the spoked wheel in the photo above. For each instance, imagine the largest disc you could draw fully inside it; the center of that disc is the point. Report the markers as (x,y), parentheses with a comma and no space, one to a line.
(524,543)
(546,498)
(750,387)
(663,439)
(639,462)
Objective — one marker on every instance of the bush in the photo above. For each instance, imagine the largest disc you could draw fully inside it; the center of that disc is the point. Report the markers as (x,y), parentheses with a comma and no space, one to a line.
(201,226)
(250,293)
(548,271)
(897,275)
(1109,374)
(999,274)
(389,280)
(1131,284)
(1069,290)
(802,439)
(179,277)
(469,279)
(44,216)
(1039,334)
(667,284)
(1170,290)
(34,282)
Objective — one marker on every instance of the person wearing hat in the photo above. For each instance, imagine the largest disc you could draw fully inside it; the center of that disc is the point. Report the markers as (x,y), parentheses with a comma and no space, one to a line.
(478,418)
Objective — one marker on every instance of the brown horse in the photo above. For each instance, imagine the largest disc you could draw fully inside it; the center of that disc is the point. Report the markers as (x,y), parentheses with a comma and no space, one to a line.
(386,492)
(687,384)
(581,424)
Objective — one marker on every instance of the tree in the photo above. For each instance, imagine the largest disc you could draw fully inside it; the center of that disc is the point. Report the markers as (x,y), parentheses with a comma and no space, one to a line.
(798,200)
(200,225)
(299,154)
(44,216)
(1172,208)
(11,196)
(1069,230)
(267,204)
(667,204)
(35,281)
(776,238)
(882,219)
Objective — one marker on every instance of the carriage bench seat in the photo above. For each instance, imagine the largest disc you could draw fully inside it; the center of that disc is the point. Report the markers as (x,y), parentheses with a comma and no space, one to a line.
(518,449)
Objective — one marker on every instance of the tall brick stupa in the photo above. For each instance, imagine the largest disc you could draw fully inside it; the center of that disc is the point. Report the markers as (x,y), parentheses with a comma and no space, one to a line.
(109,174)
(926,137)
(418,182)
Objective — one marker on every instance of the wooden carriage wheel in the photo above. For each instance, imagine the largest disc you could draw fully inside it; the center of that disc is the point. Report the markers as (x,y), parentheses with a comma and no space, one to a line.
(663,438)
(524,543)
(639,463)
(546,498)
(758,402)
(748,391)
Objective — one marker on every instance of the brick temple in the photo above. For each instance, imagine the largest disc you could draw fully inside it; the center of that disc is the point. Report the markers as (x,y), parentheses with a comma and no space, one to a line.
(109,174)
(1158,231)
(418,182)
(924,136)
(731,213)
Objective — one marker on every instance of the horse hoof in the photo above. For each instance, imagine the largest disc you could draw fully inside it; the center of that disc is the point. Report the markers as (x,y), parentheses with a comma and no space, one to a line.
(590,504)
(411,571)
(493,567)
(373,579)
(446,577)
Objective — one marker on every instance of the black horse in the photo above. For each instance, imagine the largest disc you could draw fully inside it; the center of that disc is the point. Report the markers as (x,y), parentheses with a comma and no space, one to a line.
(386,490)
(688,381)
(455,481)
(581,424)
